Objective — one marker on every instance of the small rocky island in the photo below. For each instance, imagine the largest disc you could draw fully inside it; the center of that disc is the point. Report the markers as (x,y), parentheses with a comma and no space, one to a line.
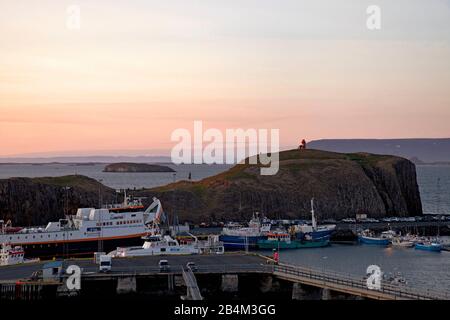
(136,167)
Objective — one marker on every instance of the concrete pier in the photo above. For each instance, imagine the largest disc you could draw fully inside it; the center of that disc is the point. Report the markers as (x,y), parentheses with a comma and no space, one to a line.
(126,285)
(266,284)
(230,283)
(298,292)
(326,294)
(227,275)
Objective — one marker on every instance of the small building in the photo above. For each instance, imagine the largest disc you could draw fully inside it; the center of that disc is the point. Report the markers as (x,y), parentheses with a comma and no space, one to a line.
(52,270)
(361,216)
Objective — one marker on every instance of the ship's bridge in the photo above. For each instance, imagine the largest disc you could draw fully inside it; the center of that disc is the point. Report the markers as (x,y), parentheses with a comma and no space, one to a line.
(83,213)
(99,214)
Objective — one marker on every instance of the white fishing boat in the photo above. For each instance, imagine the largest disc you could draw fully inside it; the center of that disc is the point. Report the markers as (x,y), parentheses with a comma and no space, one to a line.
(402,242)
(166,245)
(389,234)
(10,255)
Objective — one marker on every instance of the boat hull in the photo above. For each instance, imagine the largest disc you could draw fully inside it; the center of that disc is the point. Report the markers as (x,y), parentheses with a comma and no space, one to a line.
(240,242)
(174,251)
(77,248)
(295,244)
(425,247)
(315,235)
(403,244)
(373,241)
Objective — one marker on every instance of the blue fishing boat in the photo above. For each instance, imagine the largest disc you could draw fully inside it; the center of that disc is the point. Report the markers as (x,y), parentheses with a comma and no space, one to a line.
(313,231)
(283,240)
(367,237)
(428,246)
(242,238)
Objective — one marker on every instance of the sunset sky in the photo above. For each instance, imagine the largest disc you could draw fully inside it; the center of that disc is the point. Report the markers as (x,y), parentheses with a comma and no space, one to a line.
(137,70)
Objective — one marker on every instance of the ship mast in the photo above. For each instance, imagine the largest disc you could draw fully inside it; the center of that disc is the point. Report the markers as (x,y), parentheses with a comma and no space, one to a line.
(313,217)
(125,198)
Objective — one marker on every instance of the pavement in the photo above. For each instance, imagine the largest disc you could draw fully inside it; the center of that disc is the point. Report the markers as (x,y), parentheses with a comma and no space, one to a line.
(227,262)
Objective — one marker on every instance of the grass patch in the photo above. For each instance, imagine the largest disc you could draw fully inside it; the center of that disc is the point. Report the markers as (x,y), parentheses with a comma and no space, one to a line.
(71,181)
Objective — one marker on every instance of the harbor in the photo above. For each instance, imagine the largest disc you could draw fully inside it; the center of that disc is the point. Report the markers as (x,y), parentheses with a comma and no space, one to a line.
(235,160)
(212,278)
(293,259)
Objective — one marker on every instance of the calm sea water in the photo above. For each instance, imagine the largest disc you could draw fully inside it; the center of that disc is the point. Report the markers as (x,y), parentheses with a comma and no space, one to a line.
(421,269)
(112,179)
(434,184)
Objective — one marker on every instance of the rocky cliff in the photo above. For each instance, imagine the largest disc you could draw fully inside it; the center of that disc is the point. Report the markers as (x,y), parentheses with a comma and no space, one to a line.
(342,185)
(37,201)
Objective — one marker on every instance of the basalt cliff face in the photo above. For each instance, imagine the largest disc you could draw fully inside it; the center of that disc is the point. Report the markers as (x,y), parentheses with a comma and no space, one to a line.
(36,201)
(342,185)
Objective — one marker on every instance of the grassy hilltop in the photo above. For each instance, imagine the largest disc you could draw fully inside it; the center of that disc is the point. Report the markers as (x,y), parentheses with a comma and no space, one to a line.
(342,184)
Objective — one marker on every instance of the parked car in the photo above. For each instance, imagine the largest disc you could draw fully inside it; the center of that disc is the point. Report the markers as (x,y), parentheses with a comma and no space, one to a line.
(164,266)
(349,220)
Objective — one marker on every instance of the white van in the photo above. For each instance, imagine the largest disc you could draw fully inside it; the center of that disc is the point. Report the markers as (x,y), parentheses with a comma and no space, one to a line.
(105,263)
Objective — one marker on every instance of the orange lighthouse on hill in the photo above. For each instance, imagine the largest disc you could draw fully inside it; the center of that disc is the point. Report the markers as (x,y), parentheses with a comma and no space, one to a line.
(302,144)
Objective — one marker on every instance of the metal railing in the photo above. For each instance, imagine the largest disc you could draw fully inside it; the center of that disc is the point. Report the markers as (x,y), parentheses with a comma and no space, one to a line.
(328,278)
(178,269)
(193,291)
(321,278)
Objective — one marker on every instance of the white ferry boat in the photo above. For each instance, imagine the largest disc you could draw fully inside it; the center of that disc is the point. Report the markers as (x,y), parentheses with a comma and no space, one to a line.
(166,245)
(87,230)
